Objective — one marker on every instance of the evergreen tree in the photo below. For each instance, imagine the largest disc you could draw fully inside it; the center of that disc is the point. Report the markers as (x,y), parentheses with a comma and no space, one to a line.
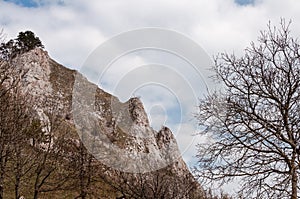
(25,42)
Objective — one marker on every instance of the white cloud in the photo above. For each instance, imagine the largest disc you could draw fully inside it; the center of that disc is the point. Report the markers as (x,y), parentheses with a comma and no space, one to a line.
(76,27)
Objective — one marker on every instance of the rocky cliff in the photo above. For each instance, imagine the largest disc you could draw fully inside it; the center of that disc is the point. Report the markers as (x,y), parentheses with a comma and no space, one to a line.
(117,134)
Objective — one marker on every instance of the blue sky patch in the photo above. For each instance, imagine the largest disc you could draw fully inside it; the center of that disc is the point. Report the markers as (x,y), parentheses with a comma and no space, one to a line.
(244,2)
(24,3)
(34,3)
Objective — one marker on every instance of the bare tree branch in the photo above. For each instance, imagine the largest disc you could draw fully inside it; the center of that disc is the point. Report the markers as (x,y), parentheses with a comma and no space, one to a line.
(255,121)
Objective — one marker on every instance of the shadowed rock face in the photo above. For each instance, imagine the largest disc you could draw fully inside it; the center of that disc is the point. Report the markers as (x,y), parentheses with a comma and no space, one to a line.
(118,134)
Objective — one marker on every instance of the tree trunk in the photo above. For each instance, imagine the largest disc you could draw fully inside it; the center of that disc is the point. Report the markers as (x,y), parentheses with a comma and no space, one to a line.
(36,187)
(294,183)
(294,180)
(1,190)
(1,184)
(36,194)
(17,186)
(17,176)
(3,161)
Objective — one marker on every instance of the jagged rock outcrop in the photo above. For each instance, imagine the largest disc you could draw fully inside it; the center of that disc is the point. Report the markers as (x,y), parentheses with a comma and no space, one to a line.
(118,134)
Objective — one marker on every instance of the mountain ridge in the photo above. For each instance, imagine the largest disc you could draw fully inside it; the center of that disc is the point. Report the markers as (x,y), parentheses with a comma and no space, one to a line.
(124,126)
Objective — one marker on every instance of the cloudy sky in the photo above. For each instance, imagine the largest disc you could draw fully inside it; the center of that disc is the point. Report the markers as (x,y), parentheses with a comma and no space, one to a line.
(72,29)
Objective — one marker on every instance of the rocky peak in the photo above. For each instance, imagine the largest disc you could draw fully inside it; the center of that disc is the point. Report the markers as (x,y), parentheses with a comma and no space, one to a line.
(137,111)
(164,136)
(37,78)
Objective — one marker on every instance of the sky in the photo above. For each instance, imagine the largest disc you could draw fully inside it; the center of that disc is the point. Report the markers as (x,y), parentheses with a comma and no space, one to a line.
(72,29)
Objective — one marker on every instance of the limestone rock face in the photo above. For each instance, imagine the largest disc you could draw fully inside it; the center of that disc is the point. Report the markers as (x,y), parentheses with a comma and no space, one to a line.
(120,133)
(37,67)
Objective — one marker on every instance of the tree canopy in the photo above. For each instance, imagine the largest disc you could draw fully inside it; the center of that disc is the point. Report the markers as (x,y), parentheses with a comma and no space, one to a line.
(27,41)
(254,121)
(24,42)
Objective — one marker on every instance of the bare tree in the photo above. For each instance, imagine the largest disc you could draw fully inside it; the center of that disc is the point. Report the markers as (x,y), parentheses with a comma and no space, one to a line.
(254,122)
(14,116)
(85,170)
(9,118)
(20,130)
(162,184)
(48,149)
